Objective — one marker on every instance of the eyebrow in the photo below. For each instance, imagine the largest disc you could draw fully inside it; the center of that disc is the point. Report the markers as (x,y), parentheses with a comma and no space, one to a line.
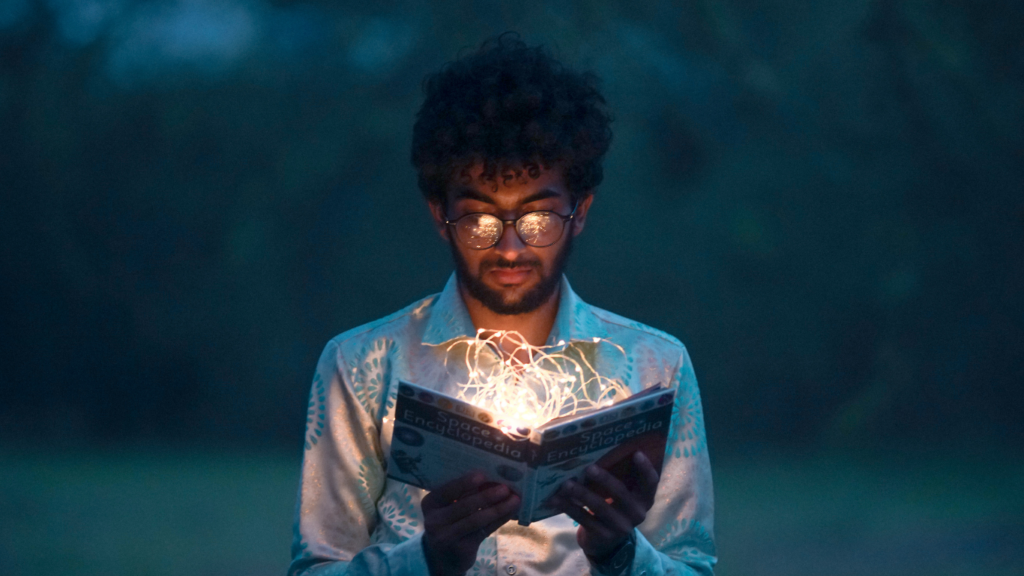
(471,194)
(542,195)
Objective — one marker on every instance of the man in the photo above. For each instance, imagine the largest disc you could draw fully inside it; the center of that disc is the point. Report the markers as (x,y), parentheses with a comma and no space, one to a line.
(508,147)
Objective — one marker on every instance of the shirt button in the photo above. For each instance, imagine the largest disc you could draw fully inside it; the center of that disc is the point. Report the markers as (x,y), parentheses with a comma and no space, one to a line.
(510,569)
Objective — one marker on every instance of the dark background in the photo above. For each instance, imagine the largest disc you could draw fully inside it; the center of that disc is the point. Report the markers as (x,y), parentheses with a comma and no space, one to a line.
(823,200)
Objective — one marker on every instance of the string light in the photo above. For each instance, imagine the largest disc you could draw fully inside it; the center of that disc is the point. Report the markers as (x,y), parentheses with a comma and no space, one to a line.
(526,385)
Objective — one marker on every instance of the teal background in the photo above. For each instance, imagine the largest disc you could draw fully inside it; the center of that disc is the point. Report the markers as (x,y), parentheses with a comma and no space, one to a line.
(823,200)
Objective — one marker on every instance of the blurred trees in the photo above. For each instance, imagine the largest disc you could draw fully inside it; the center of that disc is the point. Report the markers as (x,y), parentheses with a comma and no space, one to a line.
(823,200)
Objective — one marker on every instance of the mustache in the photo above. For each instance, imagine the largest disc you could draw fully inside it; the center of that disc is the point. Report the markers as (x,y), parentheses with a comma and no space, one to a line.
(501,262)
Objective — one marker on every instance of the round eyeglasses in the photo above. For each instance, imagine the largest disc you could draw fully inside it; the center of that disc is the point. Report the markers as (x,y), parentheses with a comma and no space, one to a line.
(480,231)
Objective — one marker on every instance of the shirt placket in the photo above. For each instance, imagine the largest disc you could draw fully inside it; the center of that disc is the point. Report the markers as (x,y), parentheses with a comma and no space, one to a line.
(505,559)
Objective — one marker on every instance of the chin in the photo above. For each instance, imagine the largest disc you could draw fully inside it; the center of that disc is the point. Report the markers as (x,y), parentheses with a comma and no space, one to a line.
(510,300)
(507,299)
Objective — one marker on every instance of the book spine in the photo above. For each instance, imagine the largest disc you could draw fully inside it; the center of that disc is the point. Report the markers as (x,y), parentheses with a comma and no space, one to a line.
(526,507)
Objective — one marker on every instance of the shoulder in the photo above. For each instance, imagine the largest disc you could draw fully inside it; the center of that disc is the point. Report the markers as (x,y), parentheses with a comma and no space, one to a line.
(622,329)
(384,332)
(651,355)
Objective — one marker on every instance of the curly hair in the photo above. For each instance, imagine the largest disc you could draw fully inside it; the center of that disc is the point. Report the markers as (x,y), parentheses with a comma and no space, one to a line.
(512,108)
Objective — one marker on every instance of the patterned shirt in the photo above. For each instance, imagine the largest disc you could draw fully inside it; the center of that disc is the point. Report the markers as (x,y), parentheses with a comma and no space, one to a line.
(351,519)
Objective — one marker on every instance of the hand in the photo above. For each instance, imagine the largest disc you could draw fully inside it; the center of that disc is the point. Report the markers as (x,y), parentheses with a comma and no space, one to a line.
(605,525)
(458,516)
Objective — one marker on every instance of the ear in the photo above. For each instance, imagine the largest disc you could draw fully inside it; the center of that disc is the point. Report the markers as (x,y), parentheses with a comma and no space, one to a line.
(580,219)
(438,215)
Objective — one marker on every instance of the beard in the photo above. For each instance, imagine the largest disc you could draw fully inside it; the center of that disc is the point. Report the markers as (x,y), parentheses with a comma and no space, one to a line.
(497,302)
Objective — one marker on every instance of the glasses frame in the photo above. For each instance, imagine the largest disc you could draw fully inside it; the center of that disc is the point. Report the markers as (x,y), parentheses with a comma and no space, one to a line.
(515,226)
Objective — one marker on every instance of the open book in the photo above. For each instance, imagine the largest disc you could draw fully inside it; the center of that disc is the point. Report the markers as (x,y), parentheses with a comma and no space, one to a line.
(438,438)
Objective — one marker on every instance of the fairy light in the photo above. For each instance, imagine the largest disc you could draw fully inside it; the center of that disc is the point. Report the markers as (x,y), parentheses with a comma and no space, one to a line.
(526,385)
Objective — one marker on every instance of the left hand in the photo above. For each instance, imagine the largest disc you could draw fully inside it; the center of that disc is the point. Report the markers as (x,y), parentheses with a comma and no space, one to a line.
(607,524)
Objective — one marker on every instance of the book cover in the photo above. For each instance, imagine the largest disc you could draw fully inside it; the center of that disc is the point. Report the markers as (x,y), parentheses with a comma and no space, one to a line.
(437,438)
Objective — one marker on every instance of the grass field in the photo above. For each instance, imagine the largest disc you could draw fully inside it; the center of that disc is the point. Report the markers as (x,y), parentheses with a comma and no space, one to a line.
(174,512)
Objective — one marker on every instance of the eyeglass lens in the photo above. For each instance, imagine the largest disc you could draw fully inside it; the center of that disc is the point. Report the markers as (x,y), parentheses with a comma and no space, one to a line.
(538,229)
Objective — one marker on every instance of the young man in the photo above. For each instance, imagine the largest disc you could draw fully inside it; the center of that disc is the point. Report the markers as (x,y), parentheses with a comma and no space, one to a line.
(508,147)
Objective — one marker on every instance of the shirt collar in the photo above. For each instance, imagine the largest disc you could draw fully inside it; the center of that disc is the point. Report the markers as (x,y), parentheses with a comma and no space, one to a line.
(449,318)
(575,321)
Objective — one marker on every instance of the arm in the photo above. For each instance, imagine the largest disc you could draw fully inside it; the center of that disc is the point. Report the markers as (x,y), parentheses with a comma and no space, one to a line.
(342,478)
(663,526)
(677,535)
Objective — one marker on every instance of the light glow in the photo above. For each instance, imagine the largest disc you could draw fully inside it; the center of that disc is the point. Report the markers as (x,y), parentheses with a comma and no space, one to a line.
(525,385)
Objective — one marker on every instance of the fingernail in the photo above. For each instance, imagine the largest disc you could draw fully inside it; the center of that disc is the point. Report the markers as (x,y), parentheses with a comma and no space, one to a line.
(592,471)
(639,457)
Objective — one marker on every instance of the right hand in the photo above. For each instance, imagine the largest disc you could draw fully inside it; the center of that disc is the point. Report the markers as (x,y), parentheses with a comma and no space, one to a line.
(458,516)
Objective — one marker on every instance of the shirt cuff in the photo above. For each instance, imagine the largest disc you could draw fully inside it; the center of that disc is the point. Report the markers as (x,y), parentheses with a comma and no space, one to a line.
(608,566)
(645,559)
(408,558)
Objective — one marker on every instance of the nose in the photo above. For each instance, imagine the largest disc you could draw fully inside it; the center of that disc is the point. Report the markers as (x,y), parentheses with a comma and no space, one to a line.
(510,245)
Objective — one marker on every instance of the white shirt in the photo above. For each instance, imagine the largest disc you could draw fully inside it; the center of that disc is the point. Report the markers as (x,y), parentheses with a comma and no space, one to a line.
(351,519)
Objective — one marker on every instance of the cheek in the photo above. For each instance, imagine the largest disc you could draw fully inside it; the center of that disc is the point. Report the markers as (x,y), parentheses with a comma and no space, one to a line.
(552,255)
(470,258)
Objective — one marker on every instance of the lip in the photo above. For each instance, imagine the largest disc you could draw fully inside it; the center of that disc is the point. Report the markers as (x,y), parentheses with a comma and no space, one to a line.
(508,276)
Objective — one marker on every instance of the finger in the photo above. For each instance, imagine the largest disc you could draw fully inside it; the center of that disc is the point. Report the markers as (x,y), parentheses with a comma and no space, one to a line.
(601,478)
(449,524)
(479,525)
(484,518)
(624,500)
(648,478)
(451,491)
(471,504)
(584,518)
(452,513)
(490,528)
(602,511)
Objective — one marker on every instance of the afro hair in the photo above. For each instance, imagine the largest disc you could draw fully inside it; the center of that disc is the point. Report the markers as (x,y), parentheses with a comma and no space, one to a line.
(512,108)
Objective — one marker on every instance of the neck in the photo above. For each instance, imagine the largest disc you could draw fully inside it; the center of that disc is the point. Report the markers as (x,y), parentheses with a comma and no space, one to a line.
(534,326)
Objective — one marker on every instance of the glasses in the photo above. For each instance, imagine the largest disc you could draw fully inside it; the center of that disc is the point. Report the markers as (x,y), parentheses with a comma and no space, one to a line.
(480,231)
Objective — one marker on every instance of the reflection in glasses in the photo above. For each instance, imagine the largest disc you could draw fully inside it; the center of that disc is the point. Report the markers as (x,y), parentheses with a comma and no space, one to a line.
(480,231)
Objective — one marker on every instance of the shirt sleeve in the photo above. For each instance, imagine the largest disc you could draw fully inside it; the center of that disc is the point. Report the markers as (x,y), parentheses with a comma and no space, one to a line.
(677,536)
(341,480)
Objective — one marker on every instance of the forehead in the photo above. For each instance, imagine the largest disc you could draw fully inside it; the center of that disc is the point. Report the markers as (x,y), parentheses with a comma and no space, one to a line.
(509,187)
